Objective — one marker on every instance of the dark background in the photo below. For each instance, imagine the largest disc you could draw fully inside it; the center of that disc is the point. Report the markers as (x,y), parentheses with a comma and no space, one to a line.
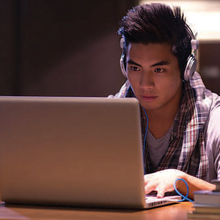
(70,48)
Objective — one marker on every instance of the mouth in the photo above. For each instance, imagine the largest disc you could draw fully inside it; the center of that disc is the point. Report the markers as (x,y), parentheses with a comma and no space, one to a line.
(148,97)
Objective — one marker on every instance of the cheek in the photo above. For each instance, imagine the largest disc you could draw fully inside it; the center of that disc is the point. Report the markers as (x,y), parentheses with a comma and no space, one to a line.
(171,87)
(169,83)
(134,80)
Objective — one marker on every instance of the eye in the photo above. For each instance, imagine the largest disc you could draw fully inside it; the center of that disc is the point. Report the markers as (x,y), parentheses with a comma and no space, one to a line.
(133,68)
(159,70)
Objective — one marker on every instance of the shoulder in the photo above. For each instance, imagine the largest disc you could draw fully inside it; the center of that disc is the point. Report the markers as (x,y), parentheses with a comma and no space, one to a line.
(207,101)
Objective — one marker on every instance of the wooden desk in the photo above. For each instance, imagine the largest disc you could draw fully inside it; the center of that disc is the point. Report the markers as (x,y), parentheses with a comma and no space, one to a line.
(171,212)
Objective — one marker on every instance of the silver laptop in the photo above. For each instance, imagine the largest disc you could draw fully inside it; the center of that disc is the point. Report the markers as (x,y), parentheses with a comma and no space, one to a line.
(72,151)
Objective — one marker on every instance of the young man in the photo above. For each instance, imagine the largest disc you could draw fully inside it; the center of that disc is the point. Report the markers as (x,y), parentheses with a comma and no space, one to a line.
(183,132)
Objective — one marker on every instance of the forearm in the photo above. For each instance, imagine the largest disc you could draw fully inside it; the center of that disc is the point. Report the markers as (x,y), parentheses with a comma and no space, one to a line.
(194,184)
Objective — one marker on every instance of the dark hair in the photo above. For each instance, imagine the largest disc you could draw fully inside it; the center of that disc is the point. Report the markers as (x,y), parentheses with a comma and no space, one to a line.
(158,23)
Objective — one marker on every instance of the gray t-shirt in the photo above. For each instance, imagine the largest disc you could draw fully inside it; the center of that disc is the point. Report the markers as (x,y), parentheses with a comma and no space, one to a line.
(157,146)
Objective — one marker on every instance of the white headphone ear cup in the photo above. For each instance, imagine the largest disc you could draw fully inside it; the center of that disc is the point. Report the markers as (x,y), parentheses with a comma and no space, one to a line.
(190,67)
(122,65)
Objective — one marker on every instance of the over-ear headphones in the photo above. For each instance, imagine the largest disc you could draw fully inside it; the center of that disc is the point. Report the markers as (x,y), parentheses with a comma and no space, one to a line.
(191,61)
(190,66)
(122,65)
(122,59)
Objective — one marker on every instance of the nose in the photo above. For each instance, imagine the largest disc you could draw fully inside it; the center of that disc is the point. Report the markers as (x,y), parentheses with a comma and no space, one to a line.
(147,80)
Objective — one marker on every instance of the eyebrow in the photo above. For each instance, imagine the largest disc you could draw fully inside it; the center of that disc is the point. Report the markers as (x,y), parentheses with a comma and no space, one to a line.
(161,63)
(132,62)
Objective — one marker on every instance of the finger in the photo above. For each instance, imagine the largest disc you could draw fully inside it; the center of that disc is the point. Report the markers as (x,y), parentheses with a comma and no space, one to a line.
(160,192)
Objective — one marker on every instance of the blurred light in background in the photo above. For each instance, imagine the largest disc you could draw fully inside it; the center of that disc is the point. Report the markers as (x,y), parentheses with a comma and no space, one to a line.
(202,16)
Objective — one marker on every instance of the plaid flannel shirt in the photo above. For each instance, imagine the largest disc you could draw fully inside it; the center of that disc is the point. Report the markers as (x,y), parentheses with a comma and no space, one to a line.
(186,150)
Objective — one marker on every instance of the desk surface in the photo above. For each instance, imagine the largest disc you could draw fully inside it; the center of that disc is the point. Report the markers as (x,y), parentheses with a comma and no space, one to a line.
(170,212)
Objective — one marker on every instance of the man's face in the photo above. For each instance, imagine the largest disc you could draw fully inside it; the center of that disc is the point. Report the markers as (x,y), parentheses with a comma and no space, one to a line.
(154,74)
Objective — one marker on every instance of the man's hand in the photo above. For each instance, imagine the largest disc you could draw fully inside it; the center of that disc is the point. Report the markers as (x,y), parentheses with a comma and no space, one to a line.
(162,181)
